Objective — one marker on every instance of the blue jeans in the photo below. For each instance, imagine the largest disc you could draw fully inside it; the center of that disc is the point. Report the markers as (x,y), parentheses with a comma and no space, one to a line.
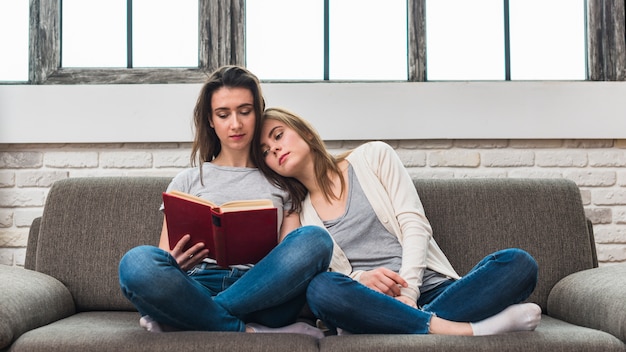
(271,293)
(501,279)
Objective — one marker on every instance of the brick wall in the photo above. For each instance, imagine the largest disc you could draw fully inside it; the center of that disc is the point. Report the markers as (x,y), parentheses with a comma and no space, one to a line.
(597,166)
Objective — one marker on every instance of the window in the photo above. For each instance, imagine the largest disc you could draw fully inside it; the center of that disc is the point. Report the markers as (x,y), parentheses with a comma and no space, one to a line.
(512,40)
(14,40)
(542,49)
(138,33)
(311,39)
(222,40)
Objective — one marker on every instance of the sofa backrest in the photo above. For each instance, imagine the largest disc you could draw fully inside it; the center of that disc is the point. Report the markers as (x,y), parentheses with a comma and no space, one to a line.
(474,217)
(89,223)
(87,226)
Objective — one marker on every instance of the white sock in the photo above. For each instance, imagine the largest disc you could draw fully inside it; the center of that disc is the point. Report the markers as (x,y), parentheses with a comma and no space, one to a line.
(149,324)
(297,328)
(518,317)
(341,331)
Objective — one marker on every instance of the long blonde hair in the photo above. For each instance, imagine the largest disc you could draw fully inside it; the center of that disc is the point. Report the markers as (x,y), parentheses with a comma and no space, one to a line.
(324,162)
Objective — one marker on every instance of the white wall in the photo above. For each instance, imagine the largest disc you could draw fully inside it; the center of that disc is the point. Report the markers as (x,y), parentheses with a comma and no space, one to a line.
(340,111)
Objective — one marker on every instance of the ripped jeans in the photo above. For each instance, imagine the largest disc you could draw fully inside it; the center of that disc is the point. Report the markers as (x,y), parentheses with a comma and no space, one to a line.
(499,280)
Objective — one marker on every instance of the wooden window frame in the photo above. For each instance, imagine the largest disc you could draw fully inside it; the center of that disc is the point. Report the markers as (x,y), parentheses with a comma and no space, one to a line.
(222,42)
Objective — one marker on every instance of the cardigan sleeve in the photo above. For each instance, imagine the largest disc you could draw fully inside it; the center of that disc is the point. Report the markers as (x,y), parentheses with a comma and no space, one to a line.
(412,227)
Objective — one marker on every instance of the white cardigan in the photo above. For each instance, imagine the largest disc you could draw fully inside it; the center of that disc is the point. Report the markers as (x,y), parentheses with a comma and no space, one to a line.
(390,190)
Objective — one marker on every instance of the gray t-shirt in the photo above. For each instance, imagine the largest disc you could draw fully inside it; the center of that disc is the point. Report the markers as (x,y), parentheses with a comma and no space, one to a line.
(223,183)
(365,241)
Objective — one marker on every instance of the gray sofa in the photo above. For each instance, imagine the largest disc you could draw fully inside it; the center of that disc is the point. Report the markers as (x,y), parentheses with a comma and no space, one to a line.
(68,299)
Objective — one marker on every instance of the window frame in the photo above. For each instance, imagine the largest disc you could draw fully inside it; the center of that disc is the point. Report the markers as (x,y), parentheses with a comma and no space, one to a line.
(222,42)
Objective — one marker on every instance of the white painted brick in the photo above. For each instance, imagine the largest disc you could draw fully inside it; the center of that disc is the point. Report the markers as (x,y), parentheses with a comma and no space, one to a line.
(426,144)
(609,234)
(71,159)
(39,178)
(481,143)
(173,158)
(585,196)
(535,143)
(124,159)
(560,158)
(19,256)
(412,158)
(24,217)
(507,158)
(12,256)
(7,179)
(124,172)
(22,197)
(479,173)
(337,151)
(6,256)
(159,159)
(333,144)
(611,252)
(454,158)
(599,215)
(151,146)
(6,218)
(588,143)
(621,178)
(535,173)
(20,160)
(613,196)
(356,143)
(13,237)
(591,178)
(426,173)
(607,158)
(619,215)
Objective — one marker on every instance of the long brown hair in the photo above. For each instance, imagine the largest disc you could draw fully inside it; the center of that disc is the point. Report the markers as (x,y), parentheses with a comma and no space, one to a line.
(324,163)
(206,145)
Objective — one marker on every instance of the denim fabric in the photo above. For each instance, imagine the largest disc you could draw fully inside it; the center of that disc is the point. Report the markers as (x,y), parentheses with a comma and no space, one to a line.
(502,278)
(271,293)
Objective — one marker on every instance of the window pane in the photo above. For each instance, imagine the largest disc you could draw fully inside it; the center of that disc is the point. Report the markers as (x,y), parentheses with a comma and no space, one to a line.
(465,40)
(547,44)
(165,33)
(285,39)
(14,40)
(94,33)
(368,39)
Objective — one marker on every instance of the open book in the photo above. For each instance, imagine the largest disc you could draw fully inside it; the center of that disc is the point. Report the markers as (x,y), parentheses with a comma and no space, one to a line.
(237,232)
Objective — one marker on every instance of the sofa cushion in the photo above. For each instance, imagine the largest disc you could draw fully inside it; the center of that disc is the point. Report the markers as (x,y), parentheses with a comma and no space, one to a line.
(551,335)
(120,331)
(474,217)
(87,226)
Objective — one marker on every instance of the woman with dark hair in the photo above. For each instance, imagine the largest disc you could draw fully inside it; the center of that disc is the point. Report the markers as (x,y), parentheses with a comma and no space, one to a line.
(183,289)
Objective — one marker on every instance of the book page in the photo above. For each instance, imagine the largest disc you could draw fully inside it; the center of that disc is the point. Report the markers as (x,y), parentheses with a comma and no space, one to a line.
(250,204)
(235,205)
(192,198)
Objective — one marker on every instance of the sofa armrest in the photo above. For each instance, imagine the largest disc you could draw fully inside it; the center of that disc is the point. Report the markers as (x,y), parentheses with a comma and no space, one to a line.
(29,299)
(592,298)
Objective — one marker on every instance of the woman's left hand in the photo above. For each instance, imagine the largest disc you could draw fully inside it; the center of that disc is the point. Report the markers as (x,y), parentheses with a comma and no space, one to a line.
(189,258)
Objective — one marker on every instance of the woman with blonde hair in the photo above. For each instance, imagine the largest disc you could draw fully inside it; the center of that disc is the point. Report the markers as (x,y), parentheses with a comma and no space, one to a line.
(387,274)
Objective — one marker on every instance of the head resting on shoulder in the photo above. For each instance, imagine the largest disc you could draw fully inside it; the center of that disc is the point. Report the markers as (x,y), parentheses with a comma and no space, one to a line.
(324,162)
(206,145)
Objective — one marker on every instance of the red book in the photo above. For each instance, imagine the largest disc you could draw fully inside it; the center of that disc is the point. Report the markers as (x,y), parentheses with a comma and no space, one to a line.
(237,232)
